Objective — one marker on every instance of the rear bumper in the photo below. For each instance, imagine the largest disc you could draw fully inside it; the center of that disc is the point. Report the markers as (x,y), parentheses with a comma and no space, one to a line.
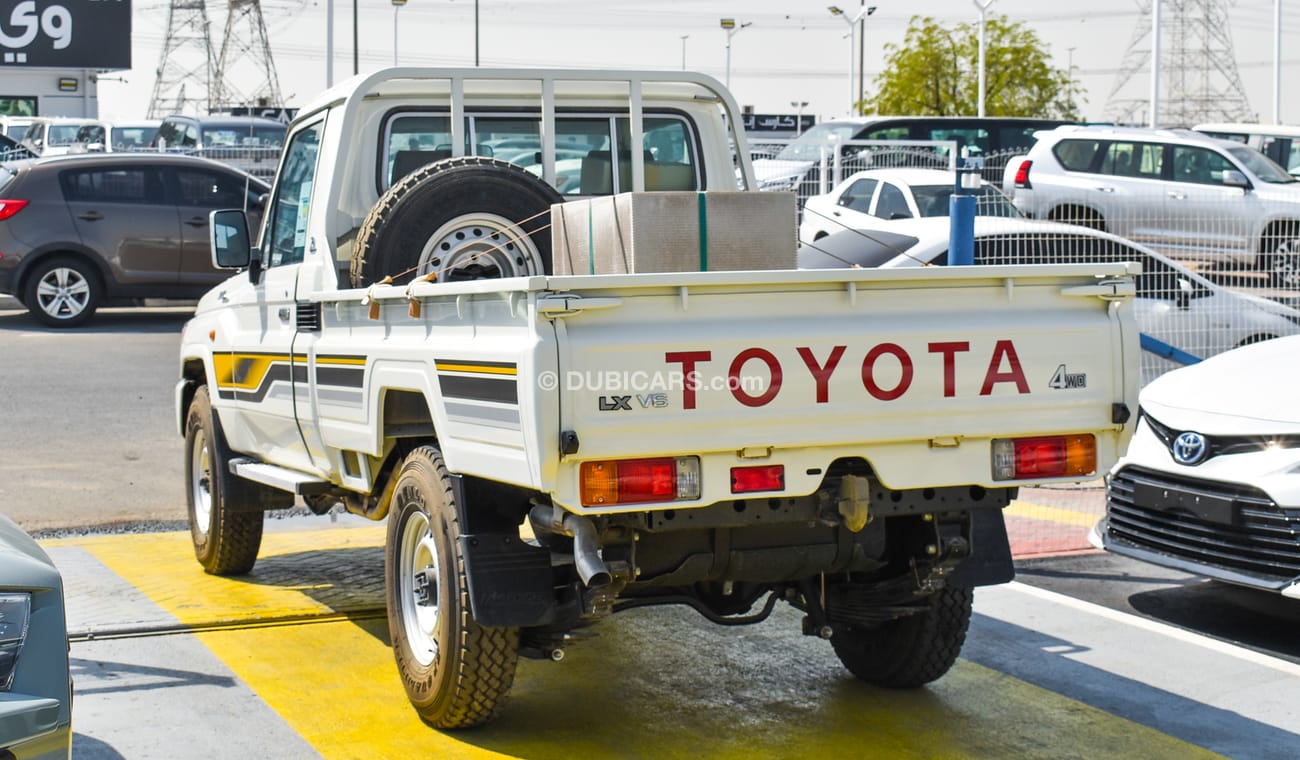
(30,727)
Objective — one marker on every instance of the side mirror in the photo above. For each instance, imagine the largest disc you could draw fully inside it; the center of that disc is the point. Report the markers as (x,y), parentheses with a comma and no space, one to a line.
(1234,178)
(1184,298)
(263,199)
(230,244)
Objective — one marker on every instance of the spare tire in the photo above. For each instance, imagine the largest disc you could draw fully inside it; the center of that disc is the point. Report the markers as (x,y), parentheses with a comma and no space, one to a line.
(466,218)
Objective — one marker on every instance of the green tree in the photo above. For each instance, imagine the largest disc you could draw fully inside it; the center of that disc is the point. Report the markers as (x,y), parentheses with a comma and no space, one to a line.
(935,72)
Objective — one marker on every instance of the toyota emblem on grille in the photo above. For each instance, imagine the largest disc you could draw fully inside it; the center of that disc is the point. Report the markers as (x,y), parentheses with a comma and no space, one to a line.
(1189,448)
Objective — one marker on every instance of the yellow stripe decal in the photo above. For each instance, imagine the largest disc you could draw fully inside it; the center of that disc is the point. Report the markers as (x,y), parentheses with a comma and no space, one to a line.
(477,368)
(343,361)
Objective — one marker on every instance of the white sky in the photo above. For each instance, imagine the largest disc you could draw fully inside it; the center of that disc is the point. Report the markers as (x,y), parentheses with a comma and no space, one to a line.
(793,50)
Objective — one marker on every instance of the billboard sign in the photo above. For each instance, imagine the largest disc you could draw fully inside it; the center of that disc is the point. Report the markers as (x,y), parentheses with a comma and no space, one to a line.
(73,34)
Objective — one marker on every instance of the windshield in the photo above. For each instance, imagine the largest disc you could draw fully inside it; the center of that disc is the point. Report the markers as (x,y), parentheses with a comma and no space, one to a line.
(62,134)
(933,200)
(809,145)
(228,136)
(1261,166)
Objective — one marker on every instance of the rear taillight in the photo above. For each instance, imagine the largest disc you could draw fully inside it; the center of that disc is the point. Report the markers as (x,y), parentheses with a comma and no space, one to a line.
(10,206)
(1022,174)
(1057,456)
(636,481)
(770,477)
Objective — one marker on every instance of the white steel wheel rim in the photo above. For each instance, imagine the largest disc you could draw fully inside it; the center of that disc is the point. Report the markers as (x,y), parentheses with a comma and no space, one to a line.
(420,613)
(201,483)
(62,293)
(486,240)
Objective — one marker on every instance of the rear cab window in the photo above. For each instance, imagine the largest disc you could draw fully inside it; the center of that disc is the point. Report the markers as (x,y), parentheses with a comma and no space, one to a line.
(585,164)
(1078,155)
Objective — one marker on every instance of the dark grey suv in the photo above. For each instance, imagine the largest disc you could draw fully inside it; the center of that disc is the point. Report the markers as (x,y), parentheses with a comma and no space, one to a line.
(82,231)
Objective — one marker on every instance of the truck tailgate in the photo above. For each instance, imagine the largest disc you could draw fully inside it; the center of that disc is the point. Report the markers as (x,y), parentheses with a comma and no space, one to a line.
(915,371)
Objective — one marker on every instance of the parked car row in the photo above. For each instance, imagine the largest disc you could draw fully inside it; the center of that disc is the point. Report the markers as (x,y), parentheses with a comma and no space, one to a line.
(79,231)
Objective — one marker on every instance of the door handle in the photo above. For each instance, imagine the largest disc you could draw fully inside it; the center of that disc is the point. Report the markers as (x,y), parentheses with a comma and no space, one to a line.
(1106,189)
(283,313)
(91,216)
(197,221)
(835,213)
(1177,195)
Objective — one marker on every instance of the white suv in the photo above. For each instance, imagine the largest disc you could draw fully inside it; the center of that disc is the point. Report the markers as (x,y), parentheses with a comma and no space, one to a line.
(1182,192)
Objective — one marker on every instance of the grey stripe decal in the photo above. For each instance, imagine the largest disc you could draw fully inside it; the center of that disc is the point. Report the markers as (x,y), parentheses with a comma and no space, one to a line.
(340,396)
(492,416)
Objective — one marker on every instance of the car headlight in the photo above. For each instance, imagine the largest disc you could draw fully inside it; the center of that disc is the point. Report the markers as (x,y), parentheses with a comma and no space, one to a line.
(15,614)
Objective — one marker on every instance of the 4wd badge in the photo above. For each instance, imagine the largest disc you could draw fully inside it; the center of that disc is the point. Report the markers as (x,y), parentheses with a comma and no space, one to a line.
(1064,379)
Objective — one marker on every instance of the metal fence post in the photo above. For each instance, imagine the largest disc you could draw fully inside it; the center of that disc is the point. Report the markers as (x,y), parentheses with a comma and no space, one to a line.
(961,214)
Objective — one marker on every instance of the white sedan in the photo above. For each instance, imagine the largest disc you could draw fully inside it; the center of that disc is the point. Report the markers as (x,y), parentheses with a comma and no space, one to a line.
(1183,314)
(876,198)
(1209,484)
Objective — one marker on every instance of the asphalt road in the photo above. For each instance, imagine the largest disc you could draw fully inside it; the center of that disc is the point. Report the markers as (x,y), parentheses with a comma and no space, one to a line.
(87,431)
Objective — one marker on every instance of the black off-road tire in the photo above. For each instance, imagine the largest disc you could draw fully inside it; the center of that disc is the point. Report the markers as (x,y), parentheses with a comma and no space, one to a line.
(469,218)
(225,532)
(910,651)
(457,673)
(62,291)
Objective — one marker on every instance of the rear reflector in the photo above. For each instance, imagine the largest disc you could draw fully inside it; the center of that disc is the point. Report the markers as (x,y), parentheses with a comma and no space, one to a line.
(10,206)
(769,477)
(1022,174)
(1058,456)
(636,481)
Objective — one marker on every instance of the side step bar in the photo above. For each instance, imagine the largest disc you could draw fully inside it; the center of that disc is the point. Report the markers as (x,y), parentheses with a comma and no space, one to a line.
(280,477)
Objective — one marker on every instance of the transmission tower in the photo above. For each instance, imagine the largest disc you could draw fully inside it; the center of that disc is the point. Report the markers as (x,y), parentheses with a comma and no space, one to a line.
(185,65)
(245,58)
(1198,68)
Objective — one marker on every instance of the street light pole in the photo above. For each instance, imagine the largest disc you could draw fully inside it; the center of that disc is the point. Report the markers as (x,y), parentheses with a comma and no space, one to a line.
(867,10)
(396,4)
(684,38)
(798,105)
(730,26)
(983,6)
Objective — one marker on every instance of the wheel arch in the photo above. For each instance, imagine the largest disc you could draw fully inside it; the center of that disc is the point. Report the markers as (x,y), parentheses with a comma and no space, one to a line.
(32,260)
(1276,231)
(1074,212)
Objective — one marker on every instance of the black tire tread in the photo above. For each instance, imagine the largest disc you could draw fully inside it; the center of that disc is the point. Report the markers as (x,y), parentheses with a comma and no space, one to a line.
(911,651)
(235,537)
(487,657)
(369,232)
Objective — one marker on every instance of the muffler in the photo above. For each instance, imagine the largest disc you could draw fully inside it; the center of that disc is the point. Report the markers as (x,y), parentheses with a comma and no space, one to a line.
(546,518)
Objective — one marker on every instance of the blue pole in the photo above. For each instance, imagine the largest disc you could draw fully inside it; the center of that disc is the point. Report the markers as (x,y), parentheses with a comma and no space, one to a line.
(961,215)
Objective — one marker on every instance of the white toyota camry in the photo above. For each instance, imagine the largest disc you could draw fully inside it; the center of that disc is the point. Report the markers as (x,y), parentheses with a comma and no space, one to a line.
(1211,481)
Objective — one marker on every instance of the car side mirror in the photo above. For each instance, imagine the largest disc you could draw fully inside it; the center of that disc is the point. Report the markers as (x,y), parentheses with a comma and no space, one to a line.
(230,243)
(262,200)
(1183,299)
(1234,178)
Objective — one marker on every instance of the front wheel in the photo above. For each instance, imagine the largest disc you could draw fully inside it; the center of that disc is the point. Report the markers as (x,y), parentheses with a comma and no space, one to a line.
(62,292)
(1282,265)
(456,672)
(910,651)
(225,532)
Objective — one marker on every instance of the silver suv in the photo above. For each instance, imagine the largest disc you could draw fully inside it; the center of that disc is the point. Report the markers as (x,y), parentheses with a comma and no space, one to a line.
(1187,194)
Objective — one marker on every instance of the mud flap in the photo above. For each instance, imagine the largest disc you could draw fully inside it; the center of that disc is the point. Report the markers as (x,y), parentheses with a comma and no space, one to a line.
(990,560)
(509,580)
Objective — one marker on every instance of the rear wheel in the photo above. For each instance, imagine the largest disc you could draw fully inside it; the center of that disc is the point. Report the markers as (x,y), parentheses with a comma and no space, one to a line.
(910,651)
(461,218)
(225,532)
(456,672)
(62,292)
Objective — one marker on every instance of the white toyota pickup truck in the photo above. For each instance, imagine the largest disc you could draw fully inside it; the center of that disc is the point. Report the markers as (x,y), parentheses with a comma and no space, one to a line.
(548,449)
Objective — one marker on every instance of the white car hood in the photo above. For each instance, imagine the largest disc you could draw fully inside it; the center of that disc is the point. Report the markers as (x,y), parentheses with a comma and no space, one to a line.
(768,169)
(1247,391)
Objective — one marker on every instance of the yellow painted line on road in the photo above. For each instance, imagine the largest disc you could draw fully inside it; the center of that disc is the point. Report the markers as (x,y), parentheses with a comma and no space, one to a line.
(656,683)
(1051,514)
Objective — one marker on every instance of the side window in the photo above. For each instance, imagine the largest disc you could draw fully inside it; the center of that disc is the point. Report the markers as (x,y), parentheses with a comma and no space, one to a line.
(1126,159)
(209,189)
(516,139)
(168,135)
(1077,155)
(858,195)
(414,140)
(1199,165)
(292,197)
(886,133)
(112,186)
(971,141)
(892,203)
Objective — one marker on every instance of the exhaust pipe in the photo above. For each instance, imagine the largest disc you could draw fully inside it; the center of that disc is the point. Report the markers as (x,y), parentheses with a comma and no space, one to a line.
(586,556)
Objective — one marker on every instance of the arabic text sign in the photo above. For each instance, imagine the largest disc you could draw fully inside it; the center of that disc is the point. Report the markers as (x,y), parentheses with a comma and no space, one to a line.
(770,122)
(83,34)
